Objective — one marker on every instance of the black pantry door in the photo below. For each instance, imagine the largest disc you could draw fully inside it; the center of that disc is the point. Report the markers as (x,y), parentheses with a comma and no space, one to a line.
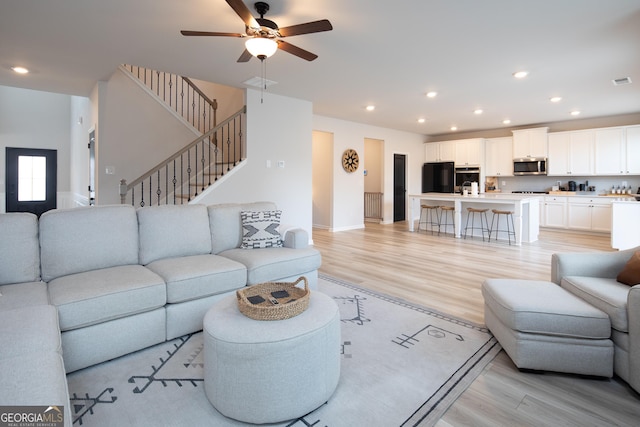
(31,180)
(399,187)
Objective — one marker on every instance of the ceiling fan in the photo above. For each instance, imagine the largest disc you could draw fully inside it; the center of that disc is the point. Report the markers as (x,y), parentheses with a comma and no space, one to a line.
(264,36)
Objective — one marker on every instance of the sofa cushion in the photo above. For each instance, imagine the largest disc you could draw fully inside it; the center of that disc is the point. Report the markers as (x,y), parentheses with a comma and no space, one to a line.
(97,296)
(35,379)
(545,308)
(608,295)
(199,276)
(19,248)
(29,330)
(260,229)
(630,274)
(23,295)
(173,230)
(268,265)
(87,238)
(226,225)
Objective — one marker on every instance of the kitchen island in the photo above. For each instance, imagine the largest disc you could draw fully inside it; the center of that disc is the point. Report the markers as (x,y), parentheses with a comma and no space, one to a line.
(525,208)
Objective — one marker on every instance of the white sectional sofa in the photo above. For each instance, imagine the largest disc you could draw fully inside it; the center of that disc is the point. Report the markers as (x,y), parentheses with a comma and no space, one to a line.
(592,277)
(82,286)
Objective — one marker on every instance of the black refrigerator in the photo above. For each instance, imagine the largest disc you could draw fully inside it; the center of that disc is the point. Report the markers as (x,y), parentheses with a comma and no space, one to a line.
(438,177)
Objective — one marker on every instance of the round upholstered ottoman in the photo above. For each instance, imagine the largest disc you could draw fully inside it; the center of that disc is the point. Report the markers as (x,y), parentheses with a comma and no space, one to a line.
(270,371)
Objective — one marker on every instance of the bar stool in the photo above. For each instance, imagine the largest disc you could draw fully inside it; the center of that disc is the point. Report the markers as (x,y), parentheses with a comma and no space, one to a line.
(484,225)
(445,211)
(427,213)
(511,231)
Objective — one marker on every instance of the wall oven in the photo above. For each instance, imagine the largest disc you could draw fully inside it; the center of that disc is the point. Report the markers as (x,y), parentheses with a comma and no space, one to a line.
(465,176)
(530,166)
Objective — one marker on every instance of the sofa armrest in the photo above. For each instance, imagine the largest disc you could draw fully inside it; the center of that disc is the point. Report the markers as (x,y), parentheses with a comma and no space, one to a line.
(295,238)
(589,264)
(633,311)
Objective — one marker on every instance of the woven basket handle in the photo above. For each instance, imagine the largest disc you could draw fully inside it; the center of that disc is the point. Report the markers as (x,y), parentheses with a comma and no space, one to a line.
(300,279)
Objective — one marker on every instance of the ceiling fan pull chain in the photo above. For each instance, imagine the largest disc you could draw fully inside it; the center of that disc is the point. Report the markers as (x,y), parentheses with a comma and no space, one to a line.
(263,86)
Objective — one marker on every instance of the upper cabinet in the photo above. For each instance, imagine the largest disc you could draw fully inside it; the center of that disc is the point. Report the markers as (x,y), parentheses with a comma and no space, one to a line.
(530,143)
(440,151)
(633,149)
(571,153)
(617,151)
(499,156)
(469,152)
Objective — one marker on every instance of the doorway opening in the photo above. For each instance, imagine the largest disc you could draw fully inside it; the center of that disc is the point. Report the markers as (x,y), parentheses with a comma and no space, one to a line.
(399,187)
(31,180)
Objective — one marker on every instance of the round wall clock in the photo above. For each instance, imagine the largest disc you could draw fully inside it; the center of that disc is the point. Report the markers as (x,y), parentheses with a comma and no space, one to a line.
(350,160)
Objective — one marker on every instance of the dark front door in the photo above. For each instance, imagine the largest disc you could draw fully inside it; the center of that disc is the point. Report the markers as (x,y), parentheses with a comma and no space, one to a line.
(31,180)
(399,187)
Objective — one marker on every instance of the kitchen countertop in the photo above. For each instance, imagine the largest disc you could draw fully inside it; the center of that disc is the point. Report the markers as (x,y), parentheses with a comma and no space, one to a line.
(525,208)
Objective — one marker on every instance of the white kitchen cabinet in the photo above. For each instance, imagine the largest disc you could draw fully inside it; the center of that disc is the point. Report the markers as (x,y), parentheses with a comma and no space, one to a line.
(625,233)
(469,152)
(632,134)
(499,156)
(530,142)
(589,214)
(555,211)
(610,151)
(571,153)
(444,151)
(617,151)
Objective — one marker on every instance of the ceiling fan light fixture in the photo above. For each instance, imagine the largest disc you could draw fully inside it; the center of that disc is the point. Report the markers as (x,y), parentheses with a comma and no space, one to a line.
(261,47)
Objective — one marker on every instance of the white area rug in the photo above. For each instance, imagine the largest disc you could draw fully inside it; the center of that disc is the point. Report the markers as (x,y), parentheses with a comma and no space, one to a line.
(402,365)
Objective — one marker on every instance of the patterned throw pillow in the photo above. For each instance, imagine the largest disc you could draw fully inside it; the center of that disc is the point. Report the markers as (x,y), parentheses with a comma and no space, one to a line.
(260,229)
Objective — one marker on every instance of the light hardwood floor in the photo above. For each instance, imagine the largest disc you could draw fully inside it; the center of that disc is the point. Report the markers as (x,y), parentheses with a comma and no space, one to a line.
(445,273)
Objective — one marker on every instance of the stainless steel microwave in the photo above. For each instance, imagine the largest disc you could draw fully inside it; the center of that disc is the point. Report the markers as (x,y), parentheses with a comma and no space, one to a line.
(530,166)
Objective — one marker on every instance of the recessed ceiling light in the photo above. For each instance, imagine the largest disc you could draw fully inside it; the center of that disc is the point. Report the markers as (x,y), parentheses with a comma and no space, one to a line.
(575,113)
(432,94)
(371,107)
(477,111)
(20,70)
(520,74)
(421,120)
(506,122)
(555,99)
(454,128)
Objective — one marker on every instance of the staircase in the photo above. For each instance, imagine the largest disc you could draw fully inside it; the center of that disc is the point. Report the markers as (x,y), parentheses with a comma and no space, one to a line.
(203,161)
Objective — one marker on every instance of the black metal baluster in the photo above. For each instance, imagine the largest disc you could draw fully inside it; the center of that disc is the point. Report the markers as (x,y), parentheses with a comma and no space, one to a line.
(228,147)
(158,191)
(174,181)
(141,193)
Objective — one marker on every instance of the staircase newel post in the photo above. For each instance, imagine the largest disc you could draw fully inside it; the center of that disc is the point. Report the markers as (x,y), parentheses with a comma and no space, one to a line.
(123,190)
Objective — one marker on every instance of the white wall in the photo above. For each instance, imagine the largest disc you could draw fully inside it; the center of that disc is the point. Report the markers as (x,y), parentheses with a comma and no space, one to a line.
(348,189)
(81,120)
(136,133)
(35,119)
(278,130)
(323,170)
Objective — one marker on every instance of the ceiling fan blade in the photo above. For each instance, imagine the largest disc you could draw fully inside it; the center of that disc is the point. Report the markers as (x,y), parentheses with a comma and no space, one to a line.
(294,50)
(244,13)
(209,33)
(309,27)
(245,57)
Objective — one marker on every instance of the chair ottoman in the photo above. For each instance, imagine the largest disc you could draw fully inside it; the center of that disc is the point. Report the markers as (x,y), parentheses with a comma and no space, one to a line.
(271,371)
(544,327)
